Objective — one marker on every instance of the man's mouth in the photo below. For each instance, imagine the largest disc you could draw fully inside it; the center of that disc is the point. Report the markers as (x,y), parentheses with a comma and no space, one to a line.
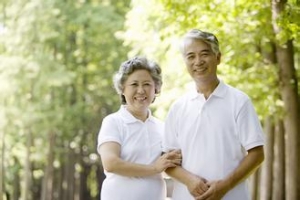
(200,69)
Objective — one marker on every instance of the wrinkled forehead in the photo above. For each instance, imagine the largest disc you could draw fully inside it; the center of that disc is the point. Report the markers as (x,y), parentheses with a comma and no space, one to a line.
(192,45)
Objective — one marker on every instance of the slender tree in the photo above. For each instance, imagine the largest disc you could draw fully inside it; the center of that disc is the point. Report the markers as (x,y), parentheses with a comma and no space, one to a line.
(278,165)
(289,93)
(266,169)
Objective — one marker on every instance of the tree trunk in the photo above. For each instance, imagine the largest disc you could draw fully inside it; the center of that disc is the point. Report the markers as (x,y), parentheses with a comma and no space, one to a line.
(2,166)
(289,93)
(64,186)
(47,191)
(71,177)
(267,166)
(27,168)
(69,173)
(289,96)
(16,181)
(254,183)
(84,190)
(278,165)
(100,178)
(59,182)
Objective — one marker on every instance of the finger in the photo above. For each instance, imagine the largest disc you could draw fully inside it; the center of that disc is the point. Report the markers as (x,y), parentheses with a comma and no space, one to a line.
(174,153)
(170,165)
(208,194)
(203,187)
(176,160)
(205,181)
(170,154)
(202,197)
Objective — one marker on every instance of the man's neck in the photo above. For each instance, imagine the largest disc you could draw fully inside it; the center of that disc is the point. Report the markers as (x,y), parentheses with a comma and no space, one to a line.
(206,88)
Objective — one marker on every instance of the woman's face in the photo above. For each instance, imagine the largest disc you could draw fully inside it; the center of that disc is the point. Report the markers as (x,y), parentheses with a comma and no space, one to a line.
(139,90)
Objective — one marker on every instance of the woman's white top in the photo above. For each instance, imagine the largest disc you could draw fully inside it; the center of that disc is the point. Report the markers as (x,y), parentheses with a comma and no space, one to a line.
(140,143)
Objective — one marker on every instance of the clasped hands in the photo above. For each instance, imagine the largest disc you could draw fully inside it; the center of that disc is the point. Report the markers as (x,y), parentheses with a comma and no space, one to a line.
(201,189)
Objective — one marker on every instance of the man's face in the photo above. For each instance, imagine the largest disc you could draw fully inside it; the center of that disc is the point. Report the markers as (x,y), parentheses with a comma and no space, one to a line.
(200,60)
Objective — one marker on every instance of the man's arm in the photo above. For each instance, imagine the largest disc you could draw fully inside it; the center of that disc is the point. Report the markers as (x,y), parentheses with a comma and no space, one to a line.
(217,189)
(195,184)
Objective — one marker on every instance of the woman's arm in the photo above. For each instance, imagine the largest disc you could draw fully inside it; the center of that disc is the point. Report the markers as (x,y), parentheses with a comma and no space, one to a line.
(112,162)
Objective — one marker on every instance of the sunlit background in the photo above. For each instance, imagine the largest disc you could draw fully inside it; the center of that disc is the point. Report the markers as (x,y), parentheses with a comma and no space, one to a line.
(57,58)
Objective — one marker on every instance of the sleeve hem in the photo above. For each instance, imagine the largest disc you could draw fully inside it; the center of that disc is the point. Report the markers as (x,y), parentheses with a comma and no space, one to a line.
(254,144)
(106,140)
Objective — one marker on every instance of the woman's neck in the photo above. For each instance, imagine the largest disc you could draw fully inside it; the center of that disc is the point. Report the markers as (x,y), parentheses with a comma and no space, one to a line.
(140,114)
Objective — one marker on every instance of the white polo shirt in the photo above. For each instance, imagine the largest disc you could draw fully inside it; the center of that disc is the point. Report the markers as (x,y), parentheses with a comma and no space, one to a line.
(213,135)
(140,143)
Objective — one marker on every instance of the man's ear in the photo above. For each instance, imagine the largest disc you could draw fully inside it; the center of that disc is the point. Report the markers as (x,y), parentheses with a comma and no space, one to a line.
(219,58)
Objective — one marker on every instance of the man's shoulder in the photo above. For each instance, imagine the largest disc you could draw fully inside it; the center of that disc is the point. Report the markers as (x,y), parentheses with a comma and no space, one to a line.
(180,103)
(184,98)
(236,92)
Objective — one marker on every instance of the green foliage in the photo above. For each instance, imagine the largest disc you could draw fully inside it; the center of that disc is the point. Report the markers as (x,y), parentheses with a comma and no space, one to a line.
(289,23)
(246,39)
(57,61)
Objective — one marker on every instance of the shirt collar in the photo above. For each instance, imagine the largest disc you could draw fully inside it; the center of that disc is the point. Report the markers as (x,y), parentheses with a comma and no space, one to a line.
(129,118)
(219,91)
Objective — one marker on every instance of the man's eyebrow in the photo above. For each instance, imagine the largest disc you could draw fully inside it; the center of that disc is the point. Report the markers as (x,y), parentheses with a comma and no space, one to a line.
(192,52)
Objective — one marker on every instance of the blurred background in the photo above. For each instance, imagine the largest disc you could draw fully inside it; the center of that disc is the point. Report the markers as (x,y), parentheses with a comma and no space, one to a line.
(57,58)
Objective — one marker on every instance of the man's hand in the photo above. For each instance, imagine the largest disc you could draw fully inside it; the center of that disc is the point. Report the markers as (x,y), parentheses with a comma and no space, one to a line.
(197,186)
(217,189)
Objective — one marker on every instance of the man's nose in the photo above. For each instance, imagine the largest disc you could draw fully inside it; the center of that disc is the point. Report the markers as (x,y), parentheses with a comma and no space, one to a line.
(199,61)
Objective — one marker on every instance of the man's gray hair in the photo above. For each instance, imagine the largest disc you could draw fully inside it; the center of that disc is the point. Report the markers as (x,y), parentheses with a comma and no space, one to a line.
(206,37)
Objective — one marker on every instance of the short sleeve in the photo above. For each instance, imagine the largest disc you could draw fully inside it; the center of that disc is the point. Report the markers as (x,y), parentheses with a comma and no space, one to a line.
(250,131)
(109,132)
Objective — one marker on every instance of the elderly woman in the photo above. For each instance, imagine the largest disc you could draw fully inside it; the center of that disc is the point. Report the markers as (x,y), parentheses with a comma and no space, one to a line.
(129,141)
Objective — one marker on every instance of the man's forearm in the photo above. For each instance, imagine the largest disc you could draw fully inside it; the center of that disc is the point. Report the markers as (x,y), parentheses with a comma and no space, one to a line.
(180,174)
(248,165)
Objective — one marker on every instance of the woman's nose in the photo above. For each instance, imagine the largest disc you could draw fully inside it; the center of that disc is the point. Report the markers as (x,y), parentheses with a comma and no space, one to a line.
(140,89)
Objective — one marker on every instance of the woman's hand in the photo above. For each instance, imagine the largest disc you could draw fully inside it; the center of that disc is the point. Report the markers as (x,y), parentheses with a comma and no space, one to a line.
(172,158)
(175,156)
